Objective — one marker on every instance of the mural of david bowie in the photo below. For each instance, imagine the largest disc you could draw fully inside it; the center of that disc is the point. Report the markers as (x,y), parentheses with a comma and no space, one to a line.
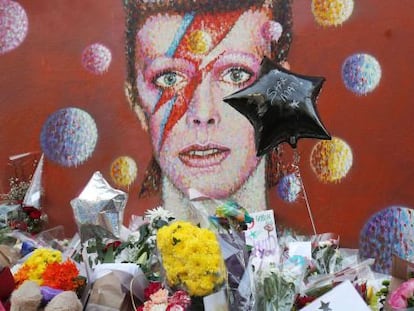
(183,58)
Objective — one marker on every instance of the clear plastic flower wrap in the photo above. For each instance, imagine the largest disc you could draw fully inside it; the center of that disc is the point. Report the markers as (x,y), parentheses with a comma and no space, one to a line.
(275,285)
(229,222)
(358,274)
(324,253)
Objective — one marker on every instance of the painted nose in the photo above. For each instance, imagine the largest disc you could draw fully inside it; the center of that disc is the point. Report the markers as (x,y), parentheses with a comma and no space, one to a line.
(201,121)
(203,109)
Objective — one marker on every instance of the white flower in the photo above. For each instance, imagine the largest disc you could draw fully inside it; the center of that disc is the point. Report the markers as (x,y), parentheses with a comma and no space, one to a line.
(123,256)
(134,236)
(152,240)
(159,307)
(158,213)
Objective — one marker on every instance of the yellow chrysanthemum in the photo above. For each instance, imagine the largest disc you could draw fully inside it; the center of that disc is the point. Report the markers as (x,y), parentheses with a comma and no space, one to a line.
(191,258)
(36,264)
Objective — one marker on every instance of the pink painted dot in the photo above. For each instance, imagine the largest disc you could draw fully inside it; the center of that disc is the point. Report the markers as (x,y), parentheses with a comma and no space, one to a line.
(13,25)
(271,31)
(96,58)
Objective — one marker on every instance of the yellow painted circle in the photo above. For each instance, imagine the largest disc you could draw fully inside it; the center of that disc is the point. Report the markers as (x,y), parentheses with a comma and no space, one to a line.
(123,171)
(332,12)
(199,42)
(331,160)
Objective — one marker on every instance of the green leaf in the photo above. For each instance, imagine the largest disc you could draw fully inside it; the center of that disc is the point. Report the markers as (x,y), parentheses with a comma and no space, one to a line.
(109,255)
(90,231)
(143,233)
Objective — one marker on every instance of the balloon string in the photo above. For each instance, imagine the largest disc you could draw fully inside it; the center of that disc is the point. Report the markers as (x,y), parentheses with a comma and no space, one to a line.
(296,162)
(308,206)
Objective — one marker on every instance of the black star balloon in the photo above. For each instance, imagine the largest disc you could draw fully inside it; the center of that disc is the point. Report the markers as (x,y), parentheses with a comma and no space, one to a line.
(281,106)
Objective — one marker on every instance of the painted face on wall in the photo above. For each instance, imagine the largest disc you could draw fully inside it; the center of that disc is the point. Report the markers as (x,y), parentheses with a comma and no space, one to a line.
(186,64)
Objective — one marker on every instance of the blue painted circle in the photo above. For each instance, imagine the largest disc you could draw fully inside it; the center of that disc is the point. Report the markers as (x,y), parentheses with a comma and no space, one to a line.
(69,137)
(289,187)
(361,73)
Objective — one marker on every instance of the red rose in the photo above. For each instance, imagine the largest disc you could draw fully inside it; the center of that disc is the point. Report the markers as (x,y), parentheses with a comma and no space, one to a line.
(114,246)
(151,289)
(20,225)
(29,209)
(303,301)
(35,214)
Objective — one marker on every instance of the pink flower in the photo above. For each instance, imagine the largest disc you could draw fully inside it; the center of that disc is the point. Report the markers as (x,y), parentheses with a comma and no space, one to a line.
(398,298)
(174,307)
(180,298)
(407,288)
(160,296)
(397,301)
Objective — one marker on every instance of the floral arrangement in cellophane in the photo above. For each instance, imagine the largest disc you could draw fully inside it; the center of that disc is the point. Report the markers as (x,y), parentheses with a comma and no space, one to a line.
(45,267)
(140,246)
(30,219)
(191,258)
(27,193)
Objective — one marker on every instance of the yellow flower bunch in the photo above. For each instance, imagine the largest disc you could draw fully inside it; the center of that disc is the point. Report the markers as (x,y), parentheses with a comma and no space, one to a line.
(191,258)
(33,268)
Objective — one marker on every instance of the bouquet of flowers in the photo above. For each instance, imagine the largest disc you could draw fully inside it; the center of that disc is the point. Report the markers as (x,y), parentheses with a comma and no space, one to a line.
(326,257)
(45,267)
(31,219)
(157,298)
(140,247)
(27,194)
(276,287)
(191,258)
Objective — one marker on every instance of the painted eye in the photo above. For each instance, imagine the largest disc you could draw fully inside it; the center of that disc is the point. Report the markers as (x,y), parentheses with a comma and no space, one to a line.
(170,79)
(236,75)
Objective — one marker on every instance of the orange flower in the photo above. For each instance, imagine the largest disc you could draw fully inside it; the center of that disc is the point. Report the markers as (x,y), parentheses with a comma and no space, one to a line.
(21,275)
(61,275)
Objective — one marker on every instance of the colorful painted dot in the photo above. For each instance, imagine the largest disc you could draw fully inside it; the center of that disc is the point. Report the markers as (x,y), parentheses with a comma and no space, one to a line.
(332,12)
(13,25)
(96,58)
(331,160)
(123,171)
(199,42)
(271,31)
(289,187)
(69,137)
(389,231)
(361,73)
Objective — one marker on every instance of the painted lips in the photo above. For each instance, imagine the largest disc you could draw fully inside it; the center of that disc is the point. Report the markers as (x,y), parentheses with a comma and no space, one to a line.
(203,155)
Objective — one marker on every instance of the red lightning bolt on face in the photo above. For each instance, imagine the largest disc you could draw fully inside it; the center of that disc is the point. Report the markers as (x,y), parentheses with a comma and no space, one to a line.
(181,100)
